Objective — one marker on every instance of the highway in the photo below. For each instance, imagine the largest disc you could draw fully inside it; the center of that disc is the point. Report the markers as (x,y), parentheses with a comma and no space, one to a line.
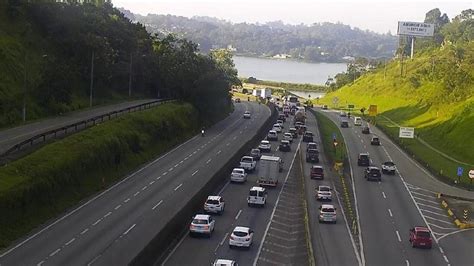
(328,240)
(114,226)
(388,209)
(12,136)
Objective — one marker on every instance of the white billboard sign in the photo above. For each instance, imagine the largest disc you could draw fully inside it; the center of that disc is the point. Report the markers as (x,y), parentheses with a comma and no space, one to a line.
(407,132)
(415,29)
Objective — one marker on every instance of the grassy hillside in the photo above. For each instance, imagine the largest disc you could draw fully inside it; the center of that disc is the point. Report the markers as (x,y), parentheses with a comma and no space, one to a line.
(433,93)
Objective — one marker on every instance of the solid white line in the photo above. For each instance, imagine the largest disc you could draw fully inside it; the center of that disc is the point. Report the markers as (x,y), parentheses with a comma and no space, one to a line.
(383,194)
(223,239)
(118,206)
(435,213)
(390,212)
(109,213)
(96,222)
(208,161)
(398,236)
(238,214)
(70,241)
(158,204)
(425,200)
(129,229)
(438,220)
(84,231)
(424,195)
(430,206)
(136,193)
(55,252)
(127,200)
(444,228)
(274,208)
(94,198)
(176,188)
(195,172)
(452,233)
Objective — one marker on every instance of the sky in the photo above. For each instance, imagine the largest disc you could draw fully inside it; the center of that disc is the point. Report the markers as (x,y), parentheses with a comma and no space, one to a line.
(380,16)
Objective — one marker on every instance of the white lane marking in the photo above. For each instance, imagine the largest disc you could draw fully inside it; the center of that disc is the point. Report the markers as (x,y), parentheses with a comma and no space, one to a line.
(446,258)
(136,193)
(84,231)
(441,250)
(96,222)
(171,169)
(70,241)
(176,188)
(383,194)
(117,207)
(444,228)
(452,233)
(223,239)
(434,202)
(223,188)
(435,213)
(176,165)
(208,161)
(390,212)
(109,213)
(40,263)
(145,187)
(238,214)
(194,152)
(240,132)
(129,229)
(94,260)
(398,236)
(185,158)
(55,252)
(158,204)
(181,162)
(95,198)
(423,195)
(218,152)
(165,173)
(195,172)
(151,183)
(127,200)
(438,220)
(234,138)
(227,144)
(274,208)
(408,263)
(362,140)
(430,206)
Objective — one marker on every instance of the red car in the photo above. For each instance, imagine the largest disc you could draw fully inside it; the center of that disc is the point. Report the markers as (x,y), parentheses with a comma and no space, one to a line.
(420,236)
(317,172)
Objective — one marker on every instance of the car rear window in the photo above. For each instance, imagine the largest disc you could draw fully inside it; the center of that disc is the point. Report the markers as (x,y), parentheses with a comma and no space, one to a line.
(423,234)
(199,221)
(240,234)
(374,171)
(324,189)
(253,193)
(327,210)
(213,202)
(317,170)
(364,157)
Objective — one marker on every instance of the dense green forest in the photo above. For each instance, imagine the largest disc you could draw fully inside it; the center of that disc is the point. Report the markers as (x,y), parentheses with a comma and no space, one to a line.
(319,42)
(48,51)
(433,92)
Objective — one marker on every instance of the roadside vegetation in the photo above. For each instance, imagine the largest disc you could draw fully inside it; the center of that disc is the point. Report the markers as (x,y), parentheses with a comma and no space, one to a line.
(327,129)
(251,81)
(54,178)
(434,93)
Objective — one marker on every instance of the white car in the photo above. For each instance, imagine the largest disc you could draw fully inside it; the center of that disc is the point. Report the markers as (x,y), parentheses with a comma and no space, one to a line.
(241,237)
(214,204)
(323,193)
(277,128)
(288,136)
(265,146)
(224,262)
(247,115)
(257,196)
(389,168)
(272,135)
(280,122)
(248,163)
(202,224)
(238,175)
(327,213)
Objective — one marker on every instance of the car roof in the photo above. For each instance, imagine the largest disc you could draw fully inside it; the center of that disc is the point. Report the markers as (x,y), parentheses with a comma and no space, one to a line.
(284,141)
(202,216)
(292,128)
(241,229)
(389,162)
(373,168)
(255,150)
(288,133)
(317,166)
(247,112)
(223,262)
(272,131)
(327,206)
(258,188)
(312,143)
(238,168)
(248,157)
(364,153)
(421,228)
(214,197)
(321,186)
(264,141)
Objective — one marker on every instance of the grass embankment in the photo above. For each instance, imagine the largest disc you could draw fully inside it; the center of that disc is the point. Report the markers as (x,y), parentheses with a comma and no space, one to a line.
(47,182)
(435,95)
(327,128)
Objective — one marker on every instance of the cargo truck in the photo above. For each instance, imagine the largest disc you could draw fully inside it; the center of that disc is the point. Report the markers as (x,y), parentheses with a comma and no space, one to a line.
(268,169)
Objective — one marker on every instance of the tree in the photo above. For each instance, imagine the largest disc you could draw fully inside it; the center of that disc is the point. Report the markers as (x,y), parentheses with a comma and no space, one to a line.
(434,16)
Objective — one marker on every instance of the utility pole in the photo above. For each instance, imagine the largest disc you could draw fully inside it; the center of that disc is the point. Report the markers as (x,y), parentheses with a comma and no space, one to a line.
(412,47)
(130,76)
(384,68)
(92,79)
(25,88)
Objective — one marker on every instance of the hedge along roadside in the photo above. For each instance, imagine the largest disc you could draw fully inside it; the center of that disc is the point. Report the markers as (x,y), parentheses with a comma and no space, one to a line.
(162,243)
(50,180)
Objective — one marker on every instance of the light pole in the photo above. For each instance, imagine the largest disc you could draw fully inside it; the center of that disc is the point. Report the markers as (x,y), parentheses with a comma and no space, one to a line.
(92,80)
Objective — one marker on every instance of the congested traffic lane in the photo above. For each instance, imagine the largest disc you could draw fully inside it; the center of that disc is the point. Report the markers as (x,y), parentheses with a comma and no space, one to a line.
(111,228)
(328,239)
(386,208)
(237,213)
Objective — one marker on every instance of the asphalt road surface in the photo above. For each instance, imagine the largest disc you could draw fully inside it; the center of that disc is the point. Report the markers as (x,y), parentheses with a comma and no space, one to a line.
(10,137)
(114,226)
(388,209)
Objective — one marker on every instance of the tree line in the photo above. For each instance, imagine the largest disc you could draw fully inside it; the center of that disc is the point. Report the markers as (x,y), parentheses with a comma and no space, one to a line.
(53,53)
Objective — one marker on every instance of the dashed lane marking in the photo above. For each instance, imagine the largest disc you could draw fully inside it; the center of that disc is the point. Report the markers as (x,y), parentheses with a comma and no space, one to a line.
(195,172)
(171,169)
(136,193)
(176,188)
(109,213)
(117,207)
(390,212)
(84,231)
(158,204)
(145,187)
(208,161)
(96,222)
(218,152)
(151,183)
(55,252)
(40,263)
(70,241)
(383,194)
(238,214)
(129,229)
(398,236)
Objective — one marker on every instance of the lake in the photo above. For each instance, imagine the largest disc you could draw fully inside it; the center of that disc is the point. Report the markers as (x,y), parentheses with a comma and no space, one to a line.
(287,70)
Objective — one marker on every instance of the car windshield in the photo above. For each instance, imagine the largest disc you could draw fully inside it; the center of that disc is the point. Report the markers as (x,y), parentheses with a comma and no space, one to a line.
(324,189)
(247,160)
(317,170)
(423,234)
(255,151)
(364,157)
(389,164)
(253,193)
(199,221)
(212,202)
(240,234)
(238,171)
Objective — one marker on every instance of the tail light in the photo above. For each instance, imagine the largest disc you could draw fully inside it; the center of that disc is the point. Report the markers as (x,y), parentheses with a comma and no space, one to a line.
(247,239)
(231,237)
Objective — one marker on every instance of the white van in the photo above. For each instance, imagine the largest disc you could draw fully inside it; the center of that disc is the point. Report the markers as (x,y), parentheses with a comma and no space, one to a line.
(357,121)
(257,196)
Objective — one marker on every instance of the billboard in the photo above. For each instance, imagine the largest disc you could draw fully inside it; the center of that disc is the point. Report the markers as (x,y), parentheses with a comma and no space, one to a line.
(372,110)
(407,132)
(415,29)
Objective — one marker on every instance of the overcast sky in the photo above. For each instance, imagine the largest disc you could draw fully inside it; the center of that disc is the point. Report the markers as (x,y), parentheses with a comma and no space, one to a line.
(380,16)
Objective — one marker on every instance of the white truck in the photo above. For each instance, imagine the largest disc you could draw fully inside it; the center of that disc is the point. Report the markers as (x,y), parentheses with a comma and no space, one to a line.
(248,163)
(268,170)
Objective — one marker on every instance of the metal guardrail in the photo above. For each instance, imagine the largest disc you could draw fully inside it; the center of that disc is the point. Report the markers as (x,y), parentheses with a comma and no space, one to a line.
(75,127)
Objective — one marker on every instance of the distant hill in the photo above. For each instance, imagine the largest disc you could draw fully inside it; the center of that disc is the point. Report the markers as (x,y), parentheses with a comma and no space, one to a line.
(319,42)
